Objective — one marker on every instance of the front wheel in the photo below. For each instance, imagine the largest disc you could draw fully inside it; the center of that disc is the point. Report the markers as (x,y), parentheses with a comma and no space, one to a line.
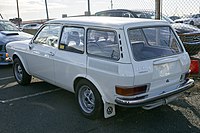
(20,74)
(89,99)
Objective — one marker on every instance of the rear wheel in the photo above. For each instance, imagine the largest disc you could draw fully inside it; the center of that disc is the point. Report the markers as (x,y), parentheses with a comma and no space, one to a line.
(20,74)
(89,99)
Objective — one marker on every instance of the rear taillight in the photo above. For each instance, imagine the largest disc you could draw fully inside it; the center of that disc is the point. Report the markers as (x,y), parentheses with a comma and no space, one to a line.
(194,67)
(130,91)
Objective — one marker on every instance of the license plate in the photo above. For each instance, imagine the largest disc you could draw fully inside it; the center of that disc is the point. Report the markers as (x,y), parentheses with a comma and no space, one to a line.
(166,69)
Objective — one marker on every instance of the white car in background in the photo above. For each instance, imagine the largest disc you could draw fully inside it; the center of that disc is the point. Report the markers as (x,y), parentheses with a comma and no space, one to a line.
(106,61)
(193,20)
(31,26)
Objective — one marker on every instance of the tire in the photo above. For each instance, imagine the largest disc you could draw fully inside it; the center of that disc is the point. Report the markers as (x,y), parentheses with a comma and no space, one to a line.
(89,100)
(20,74)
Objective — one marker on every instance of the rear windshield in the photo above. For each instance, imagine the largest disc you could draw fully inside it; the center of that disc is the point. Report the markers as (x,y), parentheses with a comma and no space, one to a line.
(154,42)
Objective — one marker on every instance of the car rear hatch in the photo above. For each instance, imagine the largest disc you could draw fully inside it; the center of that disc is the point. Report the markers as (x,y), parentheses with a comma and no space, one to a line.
(159,59)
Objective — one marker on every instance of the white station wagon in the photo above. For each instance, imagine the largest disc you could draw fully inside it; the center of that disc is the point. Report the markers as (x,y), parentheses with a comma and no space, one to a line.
(106,62)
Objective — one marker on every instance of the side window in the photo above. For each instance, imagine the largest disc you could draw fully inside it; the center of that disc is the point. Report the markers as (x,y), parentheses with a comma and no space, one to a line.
(48,35)
(103,43)
(114,14)
(72,39)
(127,15)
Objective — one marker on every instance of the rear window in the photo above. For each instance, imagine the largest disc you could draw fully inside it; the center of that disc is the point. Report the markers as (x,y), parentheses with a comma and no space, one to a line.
(154,42)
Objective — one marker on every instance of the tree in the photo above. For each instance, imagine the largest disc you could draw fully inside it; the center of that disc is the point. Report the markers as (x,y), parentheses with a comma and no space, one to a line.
(16,20)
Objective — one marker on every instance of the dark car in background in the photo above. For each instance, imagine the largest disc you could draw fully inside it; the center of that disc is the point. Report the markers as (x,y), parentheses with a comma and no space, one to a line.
(8,33)
(123,13)
(174,17)
(190,37)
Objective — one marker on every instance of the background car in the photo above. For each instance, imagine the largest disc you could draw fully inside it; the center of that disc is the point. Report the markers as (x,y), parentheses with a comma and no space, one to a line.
(193,20)
(190,37)
(174,17)
(123,13)
(31,28)
(9,33)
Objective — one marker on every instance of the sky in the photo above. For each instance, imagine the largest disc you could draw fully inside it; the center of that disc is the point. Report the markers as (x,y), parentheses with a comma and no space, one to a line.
(35,9)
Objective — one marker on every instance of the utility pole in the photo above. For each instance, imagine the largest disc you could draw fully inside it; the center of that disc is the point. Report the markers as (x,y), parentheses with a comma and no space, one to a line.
(18,14)
(199,9)
(89,13)
(111,4)
(46,10)
(157,9)
(1,16)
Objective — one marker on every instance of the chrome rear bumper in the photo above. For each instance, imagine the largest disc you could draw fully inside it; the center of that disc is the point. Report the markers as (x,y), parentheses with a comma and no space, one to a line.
(157,100)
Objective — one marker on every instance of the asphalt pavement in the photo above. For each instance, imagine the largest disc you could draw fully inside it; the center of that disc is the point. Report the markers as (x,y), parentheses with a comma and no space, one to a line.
(43,108)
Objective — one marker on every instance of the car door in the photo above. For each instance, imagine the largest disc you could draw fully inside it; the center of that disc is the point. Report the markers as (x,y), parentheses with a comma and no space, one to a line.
(70,59)
(41,52)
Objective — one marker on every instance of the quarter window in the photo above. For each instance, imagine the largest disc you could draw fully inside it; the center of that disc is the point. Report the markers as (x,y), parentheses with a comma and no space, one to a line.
(72,39)
(48,35)
(103,43)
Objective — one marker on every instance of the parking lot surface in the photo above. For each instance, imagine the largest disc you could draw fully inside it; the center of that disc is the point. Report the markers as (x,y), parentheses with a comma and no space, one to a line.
(43,108)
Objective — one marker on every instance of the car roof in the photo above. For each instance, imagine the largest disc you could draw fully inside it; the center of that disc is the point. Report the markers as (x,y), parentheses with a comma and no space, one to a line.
(111,22)
(114,10)
(122,10)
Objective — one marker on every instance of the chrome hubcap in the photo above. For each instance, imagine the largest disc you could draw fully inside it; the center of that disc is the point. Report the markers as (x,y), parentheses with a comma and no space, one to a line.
(86,99)
(18,72)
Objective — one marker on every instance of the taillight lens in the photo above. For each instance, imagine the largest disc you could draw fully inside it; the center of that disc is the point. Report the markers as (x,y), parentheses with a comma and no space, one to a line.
(194,67)
(130,91)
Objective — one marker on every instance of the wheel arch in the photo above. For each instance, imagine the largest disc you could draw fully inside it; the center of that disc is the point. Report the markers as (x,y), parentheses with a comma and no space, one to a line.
(92,81)
(16,55)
